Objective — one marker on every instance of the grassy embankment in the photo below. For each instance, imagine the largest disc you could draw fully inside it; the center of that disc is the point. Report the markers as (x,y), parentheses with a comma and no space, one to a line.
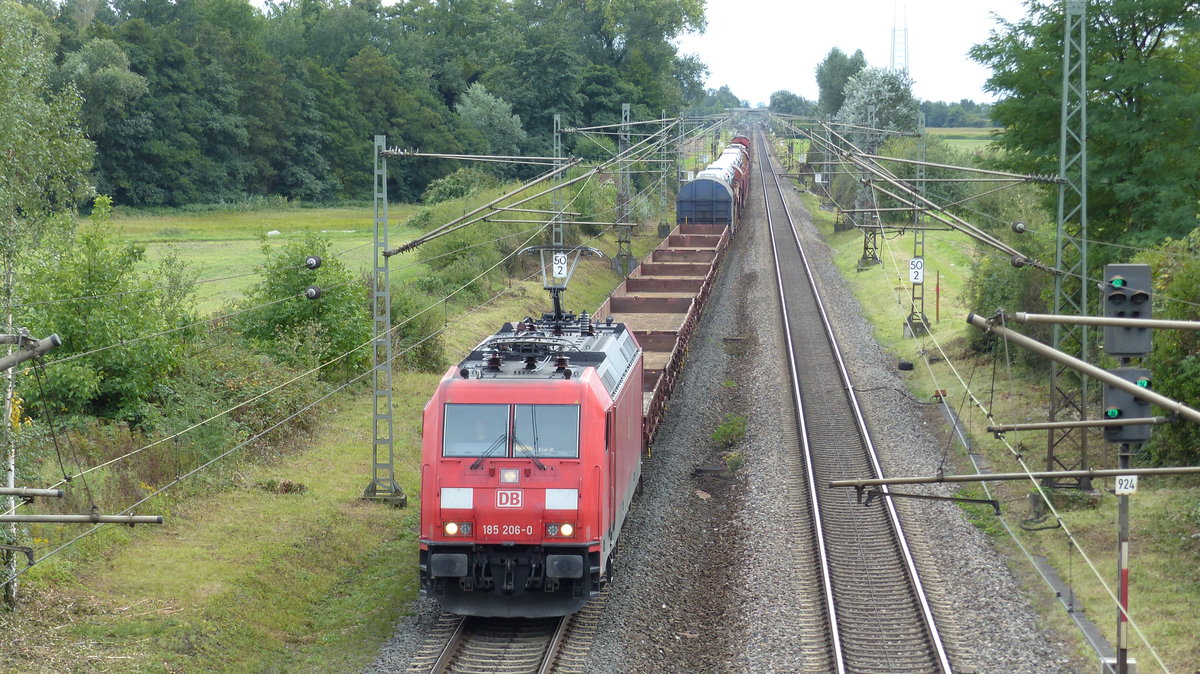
(245,579)
(1165,513)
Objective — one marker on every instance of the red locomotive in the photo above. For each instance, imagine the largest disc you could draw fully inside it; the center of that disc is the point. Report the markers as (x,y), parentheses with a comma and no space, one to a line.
(531,452)
(531,446)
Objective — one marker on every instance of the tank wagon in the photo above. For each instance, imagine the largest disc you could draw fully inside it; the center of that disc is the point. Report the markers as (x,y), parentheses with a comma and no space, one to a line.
(532,445)
(718,193)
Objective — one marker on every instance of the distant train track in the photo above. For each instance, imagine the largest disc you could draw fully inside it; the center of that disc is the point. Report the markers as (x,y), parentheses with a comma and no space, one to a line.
(878,618)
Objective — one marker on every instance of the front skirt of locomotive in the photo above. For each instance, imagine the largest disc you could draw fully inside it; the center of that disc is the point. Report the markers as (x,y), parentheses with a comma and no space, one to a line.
(512,581)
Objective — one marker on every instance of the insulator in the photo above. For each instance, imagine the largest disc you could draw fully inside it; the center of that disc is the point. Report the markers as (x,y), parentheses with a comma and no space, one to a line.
(494,360)
(1018,227)
(312,261)
(312,292)
(1018,261)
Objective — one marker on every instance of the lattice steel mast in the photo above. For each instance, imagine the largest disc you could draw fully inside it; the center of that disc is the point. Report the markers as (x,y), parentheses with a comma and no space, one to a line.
(1067,448)
(383,478)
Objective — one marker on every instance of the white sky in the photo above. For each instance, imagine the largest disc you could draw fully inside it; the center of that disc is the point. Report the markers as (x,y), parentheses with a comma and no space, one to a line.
(796,35)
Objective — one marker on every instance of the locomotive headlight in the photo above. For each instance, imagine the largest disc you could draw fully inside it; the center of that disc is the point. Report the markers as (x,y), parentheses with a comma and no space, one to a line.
(566,530)
(457,528)
(510,475)
(451,528)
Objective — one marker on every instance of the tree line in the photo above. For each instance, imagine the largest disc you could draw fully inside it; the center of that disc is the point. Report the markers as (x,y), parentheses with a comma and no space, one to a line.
(836,71)
(203,101)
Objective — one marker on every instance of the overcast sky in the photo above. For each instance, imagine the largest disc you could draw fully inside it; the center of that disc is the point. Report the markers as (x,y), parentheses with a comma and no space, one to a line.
(796,35)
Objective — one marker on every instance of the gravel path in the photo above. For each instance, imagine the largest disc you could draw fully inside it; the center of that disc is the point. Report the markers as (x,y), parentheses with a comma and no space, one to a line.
(708,578)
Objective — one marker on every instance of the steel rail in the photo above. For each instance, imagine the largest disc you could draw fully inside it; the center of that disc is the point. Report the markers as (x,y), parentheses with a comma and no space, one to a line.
(556,642)
(893,517)
(442,664)
(822,551)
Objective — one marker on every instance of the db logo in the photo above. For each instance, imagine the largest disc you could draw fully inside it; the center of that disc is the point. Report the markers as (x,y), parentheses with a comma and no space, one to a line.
(508,498)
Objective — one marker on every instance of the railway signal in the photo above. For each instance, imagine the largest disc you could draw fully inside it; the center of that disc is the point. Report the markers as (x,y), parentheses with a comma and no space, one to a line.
(1126,291)
(1121,405)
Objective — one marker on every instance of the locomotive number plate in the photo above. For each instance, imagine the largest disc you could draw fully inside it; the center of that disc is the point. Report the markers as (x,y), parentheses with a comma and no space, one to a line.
(508,498)
(507,530)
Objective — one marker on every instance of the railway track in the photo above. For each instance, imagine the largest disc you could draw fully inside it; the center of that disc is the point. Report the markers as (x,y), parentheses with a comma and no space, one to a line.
(469,645)
(878,618)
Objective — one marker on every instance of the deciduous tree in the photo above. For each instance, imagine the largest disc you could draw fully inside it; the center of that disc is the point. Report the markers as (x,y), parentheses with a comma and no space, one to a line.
(1144,88)
(891,94)
(832,75)
(785,102)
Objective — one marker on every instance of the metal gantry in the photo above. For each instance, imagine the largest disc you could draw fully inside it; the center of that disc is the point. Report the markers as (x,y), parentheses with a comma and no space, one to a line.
(1066,448)
(383,473)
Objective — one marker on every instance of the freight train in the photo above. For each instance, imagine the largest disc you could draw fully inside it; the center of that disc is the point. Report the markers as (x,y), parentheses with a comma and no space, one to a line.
(718,193)
(532,445)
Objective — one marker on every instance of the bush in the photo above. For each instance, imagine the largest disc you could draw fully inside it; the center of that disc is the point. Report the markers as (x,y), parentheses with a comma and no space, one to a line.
(996,284)
(1174,361)
(462,183)
(108,302)
(298,331)
(415,346)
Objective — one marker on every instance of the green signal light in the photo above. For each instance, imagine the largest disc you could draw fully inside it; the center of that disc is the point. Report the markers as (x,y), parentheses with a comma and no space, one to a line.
(1143,382)
(1118,282)
(1112,413)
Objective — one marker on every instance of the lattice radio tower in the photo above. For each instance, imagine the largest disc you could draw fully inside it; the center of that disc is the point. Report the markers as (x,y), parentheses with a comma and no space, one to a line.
(899,41)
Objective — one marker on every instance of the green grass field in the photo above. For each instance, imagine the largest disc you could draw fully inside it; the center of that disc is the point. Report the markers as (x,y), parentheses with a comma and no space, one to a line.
(224,247)
(966,138)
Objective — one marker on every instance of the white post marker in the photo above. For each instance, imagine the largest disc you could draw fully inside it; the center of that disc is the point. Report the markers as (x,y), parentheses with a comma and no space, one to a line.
(916,270)
(1126,484)
(560,265)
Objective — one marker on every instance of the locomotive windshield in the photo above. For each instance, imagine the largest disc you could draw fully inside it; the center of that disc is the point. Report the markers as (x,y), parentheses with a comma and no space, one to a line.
(541,431)
(475,430)
(547,431)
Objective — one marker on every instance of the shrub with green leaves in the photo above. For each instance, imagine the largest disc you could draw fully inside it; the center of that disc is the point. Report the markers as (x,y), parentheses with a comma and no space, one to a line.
(462,183)
(299,331)
(415,326)
(1175,360)
(87,288)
